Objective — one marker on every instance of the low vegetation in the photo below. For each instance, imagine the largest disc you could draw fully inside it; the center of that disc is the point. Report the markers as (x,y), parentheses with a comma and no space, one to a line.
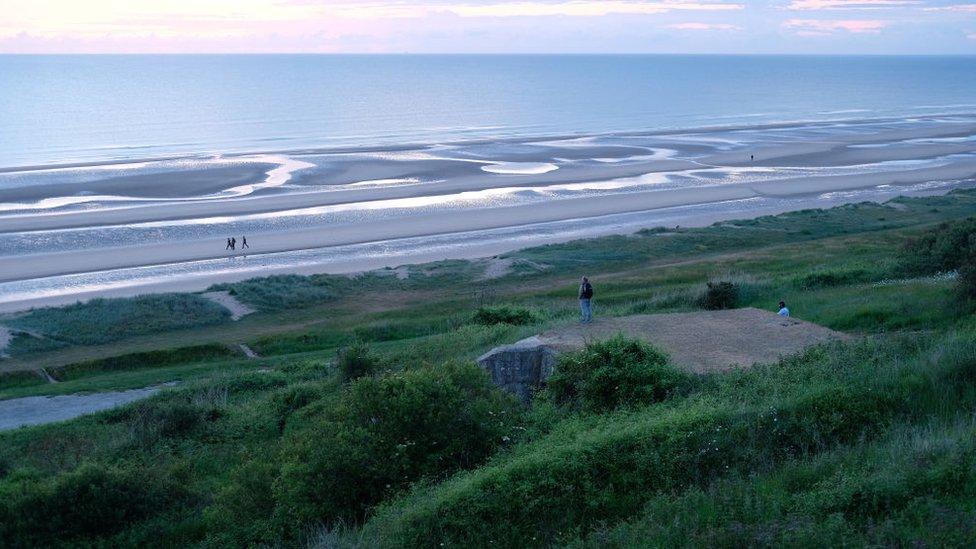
(365,422)
(106,320)
(614,373)
(503,315)
(720,294)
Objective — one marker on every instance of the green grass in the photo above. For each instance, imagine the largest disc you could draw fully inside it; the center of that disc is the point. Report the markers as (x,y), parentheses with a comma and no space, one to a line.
(596,469)
(867,442)
(105,320)
(915,484)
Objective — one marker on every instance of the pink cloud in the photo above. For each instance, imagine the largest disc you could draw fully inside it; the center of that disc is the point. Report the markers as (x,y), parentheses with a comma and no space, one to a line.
(820,27)
(965,8)
(813,5)
(704,26)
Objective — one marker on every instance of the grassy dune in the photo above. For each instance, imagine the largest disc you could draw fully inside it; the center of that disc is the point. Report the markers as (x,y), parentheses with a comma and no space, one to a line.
(365,422)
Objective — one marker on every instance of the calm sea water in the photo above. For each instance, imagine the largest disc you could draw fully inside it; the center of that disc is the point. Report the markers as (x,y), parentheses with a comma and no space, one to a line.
(56,109)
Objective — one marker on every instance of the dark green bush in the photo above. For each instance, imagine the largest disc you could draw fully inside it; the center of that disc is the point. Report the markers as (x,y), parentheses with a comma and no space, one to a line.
(590,473)
(504,314)
(386,433)
(719,295)
(612,373)
(243,511)
(84,505)
(356,361)
(966,279)
(942,249)
(288,400)
(153,420)
(170,420)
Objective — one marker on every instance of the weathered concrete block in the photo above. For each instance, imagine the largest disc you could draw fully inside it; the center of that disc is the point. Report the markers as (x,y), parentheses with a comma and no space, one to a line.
(520,368)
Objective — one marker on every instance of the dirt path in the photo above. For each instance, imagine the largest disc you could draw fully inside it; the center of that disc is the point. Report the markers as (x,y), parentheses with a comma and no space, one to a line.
(248,352)
(703,341)
(38,410)
(237,309)
(6,336)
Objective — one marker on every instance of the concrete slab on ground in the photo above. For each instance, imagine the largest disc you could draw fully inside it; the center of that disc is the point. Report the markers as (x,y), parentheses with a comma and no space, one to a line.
(702,341)
(705,341)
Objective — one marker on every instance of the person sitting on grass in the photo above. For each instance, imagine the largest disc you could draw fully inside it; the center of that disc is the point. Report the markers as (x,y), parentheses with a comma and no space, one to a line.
(585,295)
(783,311)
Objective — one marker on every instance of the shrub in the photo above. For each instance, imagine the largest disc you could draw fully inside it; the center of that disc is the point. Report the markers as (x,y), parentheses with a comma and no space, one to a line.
(356,361)
(966,280)
(243,510)
(594,471)
(944,248)
(719,295)
(155,419)
(613,373)
(168,420)
(387,432)
(504,314)
(86,504)
(288,400)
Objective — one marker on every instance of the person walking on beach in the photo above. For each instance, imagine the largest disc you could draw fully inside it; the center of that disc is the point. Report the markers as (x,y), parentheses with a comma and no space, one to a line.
(585,295)
(228,247)
(233,243)
(244,242)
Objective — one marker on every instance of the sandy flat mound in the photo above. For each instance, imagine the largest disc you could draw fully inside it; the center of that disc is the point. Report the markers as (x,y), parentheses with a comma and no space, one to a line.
(703,341)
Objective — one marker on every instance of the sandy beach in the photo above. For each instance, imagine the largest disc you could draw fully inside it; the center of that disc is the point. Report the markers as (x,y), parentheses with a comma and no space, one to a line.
(81,231)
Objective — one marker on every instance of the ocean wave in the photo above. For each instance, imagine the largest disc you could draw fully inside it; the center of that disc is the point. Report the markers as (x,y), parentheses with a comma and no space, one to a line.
(519,168)
(274,177)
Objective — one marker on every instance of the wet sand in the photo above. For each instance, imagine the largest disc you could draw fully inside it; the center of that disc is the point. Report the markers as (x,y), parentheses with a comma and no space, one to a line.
(172,184)
(42,265)
(323,200)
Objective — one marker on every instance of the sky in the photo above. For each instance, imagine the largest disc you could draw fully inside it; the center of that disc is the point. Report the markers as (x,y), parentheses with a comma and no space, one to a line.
(489,26)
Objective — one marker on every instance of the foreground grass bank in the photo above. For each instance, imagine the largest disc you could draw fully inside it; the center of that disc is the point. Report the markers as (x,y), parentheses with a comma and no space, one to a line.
(365,423)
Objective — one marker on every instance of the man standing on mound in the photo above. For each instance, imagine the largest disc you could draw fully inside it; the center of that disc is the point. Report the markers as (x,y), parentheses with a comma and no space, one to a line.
(585,295)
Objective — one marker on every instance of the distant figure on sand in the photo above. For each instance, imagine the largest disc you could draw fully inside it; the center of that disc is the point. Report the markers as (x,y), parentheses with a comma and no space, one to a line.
(244,242)
(585,295)
(233,243)
(229,245)
(783,311)
(752,157)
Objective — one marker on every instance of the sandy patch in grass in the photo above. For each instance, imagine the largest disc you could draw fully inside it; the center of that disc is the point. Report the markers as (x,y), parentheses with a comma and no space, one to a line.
(237,309)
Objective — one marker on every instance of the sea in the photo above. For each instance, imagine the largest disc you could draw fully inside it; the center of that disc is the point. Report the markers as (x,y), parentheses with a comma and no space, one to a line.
(78,108)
